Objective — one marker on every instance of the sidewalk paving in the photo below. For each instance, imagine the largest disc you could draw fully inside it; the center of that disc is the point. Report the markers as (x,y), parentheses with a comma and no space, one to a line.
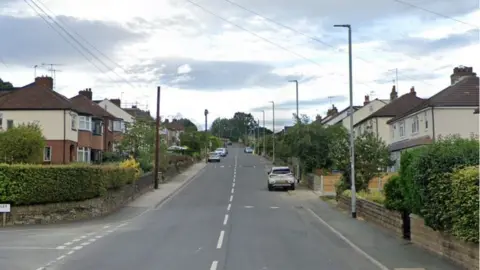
(378,242)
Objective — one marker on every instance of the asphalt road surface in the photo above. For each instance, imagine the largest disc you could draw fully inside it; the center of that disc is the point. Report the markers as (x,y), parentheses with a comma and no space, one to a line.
(224,219)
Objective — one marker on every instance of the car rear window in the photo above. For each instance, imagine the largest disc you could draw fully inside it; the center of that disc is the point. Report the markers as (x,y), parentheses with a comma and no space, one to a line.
(281,171)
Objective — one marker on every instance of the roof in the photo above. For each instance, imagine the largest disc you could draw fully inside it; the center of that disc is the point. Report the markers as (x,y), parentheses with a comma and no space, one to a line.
(175,126)
(396,107)
(464,93)
(33,97)
(136,112)
(330,117)
(86,106)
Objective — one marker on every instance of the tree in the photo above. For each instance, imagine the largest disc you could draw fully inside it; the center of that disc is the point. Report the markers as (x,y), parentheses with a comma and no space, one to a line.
(221,127)
(193,140)
(22,144)
(5,85)
(187,124)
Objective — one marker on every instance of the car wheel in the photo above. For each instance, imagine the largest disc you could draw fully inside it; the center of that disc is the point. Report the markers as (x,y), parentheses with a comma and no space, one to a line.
(270,187)
(292,187)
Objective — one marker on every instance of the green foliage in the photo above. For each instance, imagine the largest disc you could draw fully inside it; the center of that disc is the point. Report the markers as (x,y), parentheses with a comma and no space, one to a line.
(372,196)
(22,184)
(5,85)
(187,124)
(464,203)
(22,144)
(109,157)
(394,199)
(140,137)
(237,127)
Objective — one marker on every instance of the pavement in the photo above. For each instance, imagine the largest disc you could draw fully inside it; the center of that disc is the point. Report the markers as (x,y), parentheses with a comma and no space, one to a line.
(220,216)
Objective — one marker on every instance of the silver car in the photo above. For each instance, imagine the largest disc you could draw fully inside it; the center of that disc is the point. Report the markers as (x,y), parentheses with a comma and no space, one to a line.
(214,157)
(280,177)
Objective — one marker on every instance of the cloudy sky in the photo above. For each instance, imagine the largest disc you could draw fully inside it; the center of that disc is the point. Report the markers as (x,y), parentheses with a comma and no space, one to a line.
(237,55)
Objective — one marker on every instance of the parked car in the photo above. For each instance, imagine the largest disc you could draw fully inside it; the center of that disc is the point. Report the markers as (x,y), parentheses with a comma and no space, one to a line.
(229,143)
(214,157)
(248,150)
(222,152)
(280,177)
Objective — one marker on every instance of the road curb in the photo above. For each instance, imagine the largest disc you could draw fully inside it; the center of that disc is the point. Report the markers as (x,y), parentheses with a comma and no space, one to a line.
(179,188)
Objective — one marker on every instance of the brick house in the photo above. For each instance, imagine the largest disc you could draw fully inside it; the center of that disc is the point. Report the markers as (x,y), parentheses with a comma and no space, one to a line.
(95,128)
(124,119)
(55,114)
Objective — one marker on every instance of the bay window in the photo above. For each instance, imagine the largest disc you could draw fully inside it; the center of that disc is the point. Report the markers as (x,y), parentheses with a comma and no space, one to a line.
(97,127)
(83,154)
(85,123)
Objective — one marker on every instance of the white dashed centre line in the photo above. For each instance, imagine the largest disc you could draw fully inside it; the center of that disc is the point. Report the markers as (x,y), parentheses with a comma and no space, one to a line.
(229,206)
(233,185)
(220,240)
(233,190)
(231,198)
(225,220)
(213,267)
(61,258)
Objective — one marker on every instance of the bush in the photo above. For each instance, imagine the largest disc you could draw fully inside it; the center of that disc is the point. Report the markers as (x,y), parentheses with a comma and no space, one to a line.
(427,186)
(464,204)
(133,164)
(372,196)
(22,144)
(394,199)
(37,184)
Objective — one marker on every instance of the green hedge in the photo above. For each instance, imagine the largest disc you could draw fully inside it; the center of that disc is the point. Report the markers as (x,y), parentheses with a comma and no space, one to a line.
(37,184)
(394,199)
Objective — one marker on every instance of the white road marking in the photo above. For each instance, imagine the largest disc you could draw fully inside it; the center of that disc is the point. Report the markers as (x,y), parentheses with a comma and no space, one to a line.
(233,185)
(77,247)
(85,243)
(110,231)
(83,236)
(274,207)
(220,240)
(233,190)
(92,233)
(231,198)
(68,243)
(60,247)
(352,245)
(248,206)
(43,268)
(222,166)
(229,206)
(71,252)
(26,248)
(213,267)
(225,220)
(61,258)
(99,236)
(106,226)
(76,240)
(92,240)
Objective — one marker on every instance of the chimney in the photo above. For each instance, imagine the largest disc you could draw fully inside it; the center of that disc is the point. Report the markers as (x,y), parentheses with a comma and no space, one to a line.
(393,94)
(44,82)
(134,106)
(367,100)
(412,90)
(334,110)
(460,72)
(87,93)
(116,101)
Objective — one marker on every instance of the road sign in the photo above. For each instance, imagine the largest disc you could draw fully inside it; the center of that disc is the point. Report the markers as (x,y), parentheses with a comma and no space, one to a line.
(5,208)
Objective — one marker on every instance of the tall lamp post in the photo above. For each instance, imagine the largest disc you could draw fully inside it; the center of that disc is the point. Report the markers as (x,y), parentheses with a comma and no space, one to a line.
(206,138)
(296,89)
(273,129)
(352,139)
(264,146)
(157,141)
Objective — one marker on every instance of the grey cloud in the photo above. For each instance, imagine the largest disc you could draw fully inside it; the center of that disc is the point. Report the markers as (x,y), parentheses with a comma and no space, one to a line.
(291,104)
(214,75)
(29,40)
(409,75)
(420,46)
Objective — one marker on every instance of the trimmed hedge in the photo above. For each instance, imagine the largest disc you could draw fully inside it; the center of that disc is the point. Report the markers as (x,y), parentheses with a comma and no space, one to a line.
(37,184)
(394,199)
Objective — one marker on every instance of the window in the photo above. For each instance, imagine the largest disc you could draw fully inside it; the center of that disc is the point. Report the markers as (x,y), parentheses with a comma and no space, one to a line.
(83,154)
(123,127)
(401,128)
(117,125)
(415,124)
(97,128)
(47,153)
(426,120)
(74,122)
(85,123)
(9,124)
(110,125)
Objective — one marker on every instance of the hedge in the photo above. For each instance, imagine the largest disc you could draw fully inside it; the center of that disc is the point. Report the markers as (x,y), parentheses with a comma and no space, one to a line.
(394,199)
(37,184)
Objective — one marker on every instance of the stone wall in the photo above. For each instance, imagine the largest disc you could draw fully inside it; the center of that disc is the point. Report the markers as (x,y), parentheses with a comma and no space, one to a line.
(80,210)
(375,213)
(463,253)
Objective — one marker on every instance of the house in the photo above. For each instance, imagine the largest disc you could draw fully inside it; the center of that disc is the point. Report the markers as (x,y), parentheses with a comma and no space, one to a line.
(138,113)
(377,121)
(95,128)
(450,111)
(334,117)
(55,114)
(369,107)
(123,119)
(173,131)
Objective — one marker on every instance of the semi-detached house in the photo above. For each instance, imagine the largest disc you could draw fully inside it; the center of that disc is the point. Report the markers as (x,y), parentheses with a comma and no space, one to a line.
(369,107)
(450,111)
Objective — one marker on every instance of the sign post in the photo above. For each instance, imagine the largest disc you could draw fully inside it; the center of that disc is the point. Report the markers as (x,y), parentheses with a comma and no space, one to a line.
(4,209)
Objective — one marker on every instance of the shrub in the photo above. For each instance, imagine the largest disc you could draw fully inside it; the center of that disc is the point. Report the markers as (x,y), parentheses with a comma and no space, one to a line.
(133,164)
(372,196)
(22,144)
(394,199)
(427,187)
(464,203)
(37,184)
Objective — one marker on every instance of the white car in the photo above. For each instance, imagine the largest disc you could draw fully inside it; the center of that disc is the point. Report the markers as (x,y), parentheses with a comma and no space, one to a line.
(214,157)
(222,152)
(281,177)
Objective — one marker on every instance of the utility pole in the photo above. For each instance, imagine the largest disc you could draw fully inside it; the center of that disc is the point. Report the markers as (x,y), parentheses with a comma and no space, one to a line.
(264,145)
(273,129)
(157,141)
(206,137)
(296,88)
(258,134)
(352,139)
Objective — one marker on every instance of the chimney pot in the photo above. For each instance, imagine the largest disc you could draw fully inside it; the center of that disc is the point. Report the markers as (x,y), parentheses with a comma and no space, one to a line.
(367,100)
(412,90)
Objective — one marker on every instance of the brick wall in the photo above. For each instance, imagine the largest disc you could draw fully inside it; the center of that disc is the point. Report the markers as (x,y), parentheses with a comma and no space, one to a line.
(463,253)
(375,213)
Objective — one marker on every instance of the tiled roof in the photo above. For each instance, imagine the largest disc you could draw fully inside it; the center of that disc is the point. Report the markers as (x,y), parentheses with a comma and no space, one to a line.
(87,106)
(34,97)
(330,117)
(397,106)
(464,93)
(136,112)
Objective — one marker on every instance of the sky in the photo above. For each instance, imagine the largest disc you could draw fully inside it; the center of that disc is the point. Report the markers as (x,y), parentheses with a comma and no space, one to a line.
(238,55)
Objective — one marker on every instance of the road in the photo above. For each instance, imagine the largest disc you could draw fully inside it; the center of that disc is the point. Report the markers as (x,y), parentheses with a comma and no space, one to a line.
(223,219)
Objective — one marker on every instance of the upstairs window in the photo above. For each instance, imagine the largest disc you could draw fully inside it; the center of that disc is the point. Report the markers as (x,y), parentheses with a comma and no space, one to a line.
(97,128)
(85,123)
(425,116)
(401,128)
(74,122)
(415,124)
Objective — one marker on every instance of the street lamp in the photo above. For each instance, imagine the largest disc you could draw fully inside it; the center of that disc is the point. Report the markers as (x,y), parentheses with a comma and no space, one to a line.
(263,111)
(273,129)
(296,88)
(206,138)
(352,142)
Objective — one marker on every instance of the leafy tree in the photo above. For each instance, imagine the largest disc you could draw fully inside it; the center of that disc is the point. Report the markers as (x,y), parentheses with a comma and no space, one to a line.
(193,140)
(221,127)
(140,137)
(5,85)
(22,144)
(187,124)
